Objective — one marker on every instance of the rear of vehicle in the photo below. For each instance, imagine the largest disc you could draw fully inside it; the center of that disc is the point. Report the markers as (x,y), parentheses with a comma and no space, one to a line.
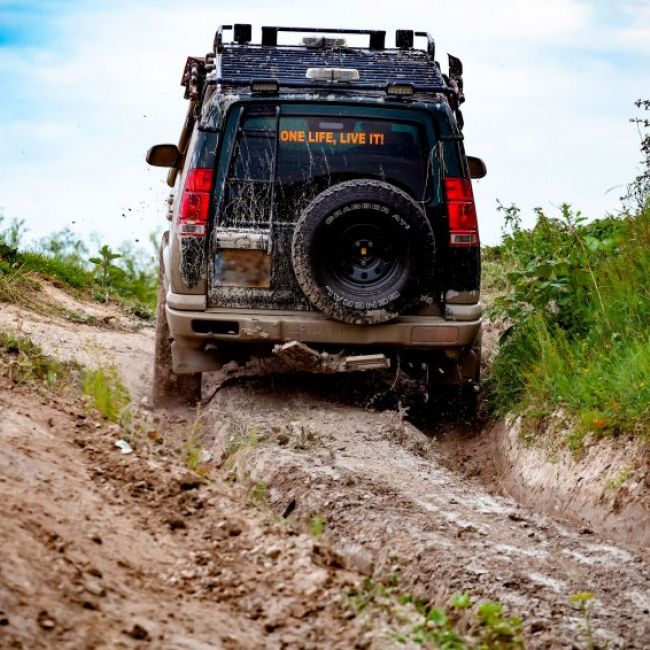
(329,222)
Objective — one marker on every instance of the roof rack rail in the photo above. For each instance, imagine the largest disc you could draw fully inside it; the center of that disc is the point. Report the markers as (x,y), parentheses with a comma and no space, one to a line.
(242,35)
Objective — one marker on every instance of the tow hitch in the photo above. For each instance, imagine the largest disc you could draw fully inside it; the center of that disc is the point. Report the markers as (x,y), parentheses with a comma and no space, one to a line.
(298,356)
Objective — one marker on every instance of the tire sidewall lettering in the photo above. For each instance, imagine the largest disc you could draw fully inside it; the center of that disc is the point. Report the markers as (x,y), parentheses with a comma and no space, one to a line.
(368,206)
(367,306)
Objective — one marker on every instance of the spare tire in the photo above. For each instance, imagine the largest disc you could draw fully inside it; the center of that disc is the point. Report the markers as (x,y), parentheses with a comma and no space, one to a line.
(363,252)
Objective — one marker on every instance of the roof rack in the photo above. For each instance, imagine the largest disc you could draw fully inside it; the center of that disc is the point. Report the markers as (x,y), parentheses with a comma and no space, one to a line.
(240,64)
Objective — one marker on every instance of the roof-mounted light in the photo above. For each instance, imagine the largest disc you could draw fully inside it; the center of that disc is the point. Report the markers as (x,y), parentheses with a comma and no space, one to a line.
(265,86)
(332,74)
(400,89)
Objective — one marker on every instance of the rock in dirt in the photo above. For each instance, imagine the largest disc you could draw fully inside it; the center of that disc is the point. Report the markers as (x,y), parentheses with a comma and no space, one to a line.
(190,481)
(138,633)
(124,446)
(45,621)
(356,558)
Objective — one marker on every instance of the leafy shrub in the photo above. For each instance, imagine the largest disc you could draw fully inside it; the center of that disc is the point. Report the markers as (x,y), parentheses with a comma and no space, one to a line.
(460,624)
(577,300)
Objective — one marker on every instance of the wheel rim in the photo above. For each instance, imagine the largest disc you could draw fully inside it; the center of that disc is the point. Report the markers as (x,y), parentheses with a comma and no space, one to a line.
(363,254)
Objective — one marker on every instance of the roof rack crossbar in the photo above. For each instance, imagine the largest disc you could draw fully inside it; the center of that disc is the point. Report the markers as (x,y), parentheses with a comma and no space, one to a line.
(323,30)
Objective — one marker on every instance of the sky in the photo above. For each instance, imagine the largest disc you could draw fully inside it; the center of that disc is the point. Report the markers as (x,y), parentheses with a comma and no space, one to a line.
(88,86)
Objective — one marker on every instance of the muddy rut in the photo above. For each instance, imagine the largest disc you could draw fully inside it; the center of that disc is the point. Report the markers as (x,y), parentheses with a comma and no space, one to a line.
(183,562)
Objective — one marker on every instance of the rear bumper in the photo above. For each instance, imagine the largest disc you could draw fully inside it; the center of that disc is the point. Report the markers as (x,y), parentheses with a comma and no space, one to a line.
(192,329)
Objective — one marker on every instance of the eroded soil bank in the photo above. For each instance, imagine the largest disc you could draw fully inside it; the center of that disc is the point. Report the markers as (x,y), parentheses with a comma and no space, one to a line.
(311,485)
(604,487)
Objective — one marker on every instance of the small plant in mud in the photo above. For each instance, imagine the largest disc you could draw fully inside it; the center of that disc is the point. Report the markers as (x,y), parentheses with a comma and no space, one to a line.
(192,451)
(238,442)
(78,316)
(26,363)
(106,393)
(617,481)
(259,493)
(317,526)
(459,624)
(584,602)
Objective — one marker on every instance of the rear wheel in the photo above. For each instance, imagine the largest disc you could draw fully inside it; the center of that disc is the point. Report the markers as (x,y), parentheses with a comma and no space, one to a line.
(170,389)
(363,252)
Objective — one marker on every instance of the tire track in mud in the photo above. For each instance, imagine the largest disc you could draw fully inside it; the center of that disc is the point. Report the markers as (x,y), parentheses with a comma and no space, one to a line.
(391,508)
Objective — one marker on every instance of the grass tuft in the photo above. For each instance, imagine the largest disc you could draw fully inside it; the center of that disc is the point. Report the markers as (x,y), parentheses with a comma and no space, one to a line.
(26,363)
(106,392)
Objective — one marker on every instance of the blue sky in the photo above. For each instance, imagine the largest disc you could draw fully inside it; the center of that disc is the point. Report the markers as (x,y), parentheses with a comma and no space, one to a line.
(88,86)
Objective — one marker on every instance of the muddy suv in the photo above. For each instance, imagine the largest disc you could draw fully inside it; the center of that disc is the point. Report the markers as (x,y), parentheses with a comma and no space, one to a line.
(324,214)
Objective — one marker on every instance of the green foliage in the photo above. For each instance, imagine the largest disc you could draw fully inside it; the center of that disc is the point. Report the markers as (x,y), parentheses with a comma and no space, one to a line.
(64,245)
(460,624)
(193,447)
(26,362)
(106,272)
(577,299)
(131,277)
(259,492)
(128,276)
(240,441)
(584,602)
(106,393)
(638,192)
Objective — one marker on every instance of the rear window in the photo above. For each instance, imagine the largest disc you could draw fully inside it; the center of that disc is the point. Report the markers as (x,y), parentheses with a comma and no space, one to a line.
(290,160)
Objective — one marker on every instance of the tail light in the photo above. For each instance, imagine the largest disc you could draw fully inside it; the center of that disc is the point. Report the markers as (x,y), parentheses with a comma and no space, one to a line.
(195,203)
(463,224)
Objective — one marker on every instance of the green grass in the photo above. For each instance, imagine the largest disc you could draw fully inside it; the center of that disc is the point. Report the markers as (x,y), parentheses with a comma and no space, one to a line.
(26,363)
(106,393)
(126,277)
(459,624)
(317,526)
(577,297)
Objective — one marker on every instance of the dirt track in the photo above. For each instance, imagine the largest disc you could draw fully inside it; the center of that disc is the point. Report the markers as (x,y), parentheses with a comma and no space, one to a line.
(104,550)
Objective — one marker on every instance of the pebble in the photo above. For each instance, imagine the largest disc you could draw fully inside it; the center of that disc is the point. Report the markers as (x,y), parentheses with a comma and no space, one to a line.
(273,552)
(138,633)
(45,621)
